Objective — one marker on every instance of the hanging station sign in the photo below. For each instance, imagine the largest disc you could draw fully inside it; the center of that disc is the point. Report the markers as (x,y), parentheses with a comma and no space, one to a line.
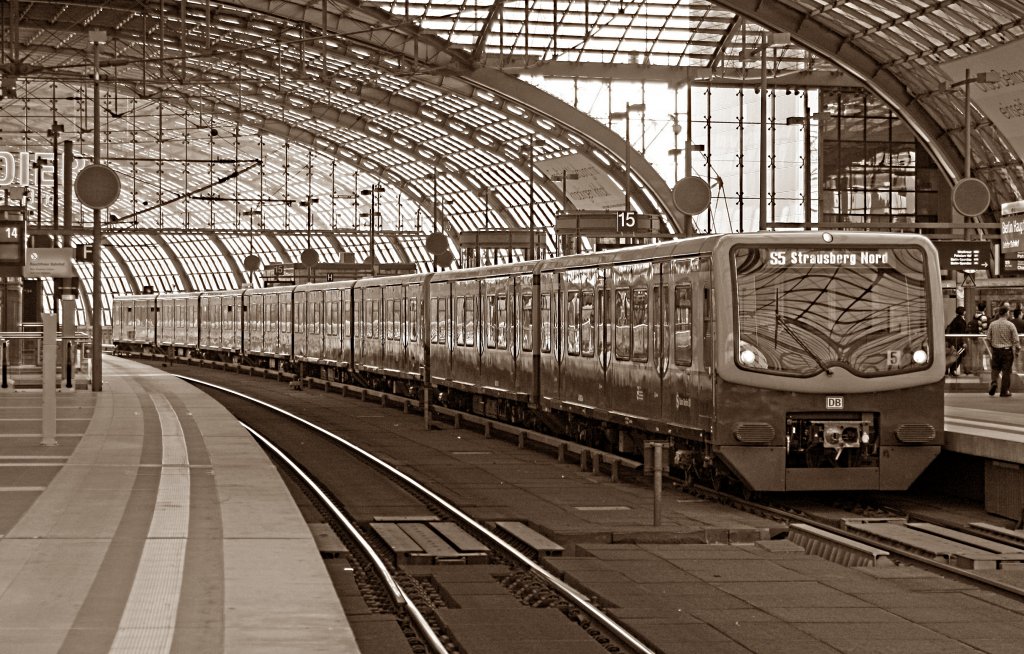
(1011,227)
(963,255)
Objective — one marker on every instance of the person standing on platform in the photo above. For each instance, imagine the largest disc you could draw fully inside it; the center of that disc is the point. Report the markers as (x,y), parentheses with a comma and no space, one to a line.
(1015,318)
(1004,341)
(956,327)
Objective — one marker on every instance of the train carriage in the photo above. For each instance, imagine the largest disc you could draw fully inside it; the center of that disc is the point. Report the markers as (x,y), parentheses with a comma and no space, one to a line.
(621,347)
(847,397)
(221,315)
(178,321)
(481,336)
(389,338)
(268,324)
(828,358)
(506,367)
(368,336)
(134,322)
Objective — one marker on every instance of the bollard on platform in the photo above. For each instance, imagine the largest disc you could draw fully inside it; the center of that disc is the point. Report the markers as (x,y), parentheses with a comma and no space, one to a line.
(49,380)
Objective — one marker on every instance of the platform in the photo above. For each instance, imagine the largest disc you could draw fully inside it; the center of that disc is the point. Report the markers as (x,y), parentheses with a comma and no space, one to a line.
(155,524)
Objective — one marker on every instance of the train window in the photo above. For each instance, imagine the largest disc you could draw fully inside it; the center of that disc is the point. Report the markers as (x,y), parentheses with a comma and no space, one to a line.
(376,328)
(315,323)
(587,324)
(286,315)
(641,326)
(434,319)
(389,320)
(623,332)
(492,321)
(502,323)
(442,320)
(470,320)
(683,325)
(572,323)
(397,314)
(414,321)
(300,316)
(527,321)
(460,321)
(545,322)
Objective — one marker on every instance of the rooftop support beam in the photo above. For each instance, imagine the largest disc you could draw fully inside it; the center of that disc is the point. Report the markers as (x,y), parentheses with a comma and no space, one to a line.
(679,75)
(485,30)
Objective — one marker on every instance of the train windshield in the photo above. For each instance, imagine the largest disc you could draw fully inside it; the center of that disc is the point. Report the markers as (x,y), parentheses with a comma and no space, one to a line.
(802,311)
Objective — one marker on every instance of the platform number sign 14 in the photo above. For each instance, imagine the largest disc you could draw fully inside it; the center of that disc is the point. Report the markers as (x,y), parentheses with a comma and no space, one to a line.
(12,246)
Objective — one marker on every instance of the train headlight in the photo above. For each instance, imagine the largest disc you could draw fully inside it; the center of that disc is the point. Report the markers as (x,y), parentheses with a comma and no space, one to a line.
(920,356)
(747,357)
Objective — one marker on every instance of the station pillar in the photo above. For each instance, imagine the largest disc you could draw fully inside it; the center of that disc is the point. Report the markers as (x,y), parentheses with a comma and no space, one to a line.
(10,298)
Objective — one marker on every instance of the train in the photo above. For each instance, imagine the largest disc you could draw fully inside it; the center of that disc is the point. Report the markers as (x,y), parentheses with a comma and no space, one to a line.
(778,362)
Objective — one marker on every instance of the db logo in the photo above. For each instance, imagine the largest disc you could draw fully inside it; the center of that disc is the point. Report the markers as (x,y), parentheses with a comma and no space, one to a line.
(34,256)
(834,402)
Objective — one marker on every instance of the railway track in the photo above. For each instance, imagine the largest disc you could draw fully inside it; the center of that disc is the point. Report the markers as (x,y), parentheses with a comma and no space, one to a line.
(987,556)
(393,551)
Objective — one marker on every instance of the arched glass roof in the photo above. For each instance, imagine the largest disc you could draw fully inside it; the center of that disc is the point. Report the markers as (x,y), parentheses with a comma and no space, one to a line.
(259,127)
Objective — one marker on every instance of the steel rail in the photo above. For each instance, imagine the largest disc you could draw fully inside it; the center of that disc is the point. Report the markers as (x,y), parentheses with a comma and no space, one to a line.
(566,590)
(397,592)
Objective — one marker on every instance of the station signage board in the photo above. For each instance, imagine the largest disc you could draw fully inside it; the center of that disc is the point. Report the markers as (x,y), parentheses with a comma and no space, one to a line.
(963,255)
(49,262)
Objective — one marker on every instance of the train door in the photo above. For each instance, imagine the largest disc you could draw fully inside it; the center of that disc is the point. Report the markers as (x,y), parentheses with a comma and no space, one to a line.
(252,331)
(520,333)
(347,327)
(660,306)
(581,371)
(374,301)
(192,322)
(412,322)
(632,378)
(440,331)
(680,286)
(465,367)
(497,363)
(332,324)
(392,347)
(299,333)
(704,302)
(548,341)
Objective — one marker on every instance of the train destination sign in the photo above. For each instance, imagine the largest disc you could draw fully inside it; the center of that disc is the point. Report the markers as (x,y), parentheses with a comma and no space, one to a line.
(827,258)
(962,255)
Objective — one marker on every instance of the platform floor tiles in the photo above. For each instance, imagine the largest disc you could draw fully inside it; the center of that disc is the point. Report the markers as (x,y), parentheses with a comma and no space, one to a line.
(154,525)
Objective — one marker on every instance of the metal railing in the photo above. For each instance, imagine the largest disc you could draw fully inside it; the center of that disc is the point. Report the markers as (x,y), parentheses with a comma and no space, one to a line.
(21,360)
